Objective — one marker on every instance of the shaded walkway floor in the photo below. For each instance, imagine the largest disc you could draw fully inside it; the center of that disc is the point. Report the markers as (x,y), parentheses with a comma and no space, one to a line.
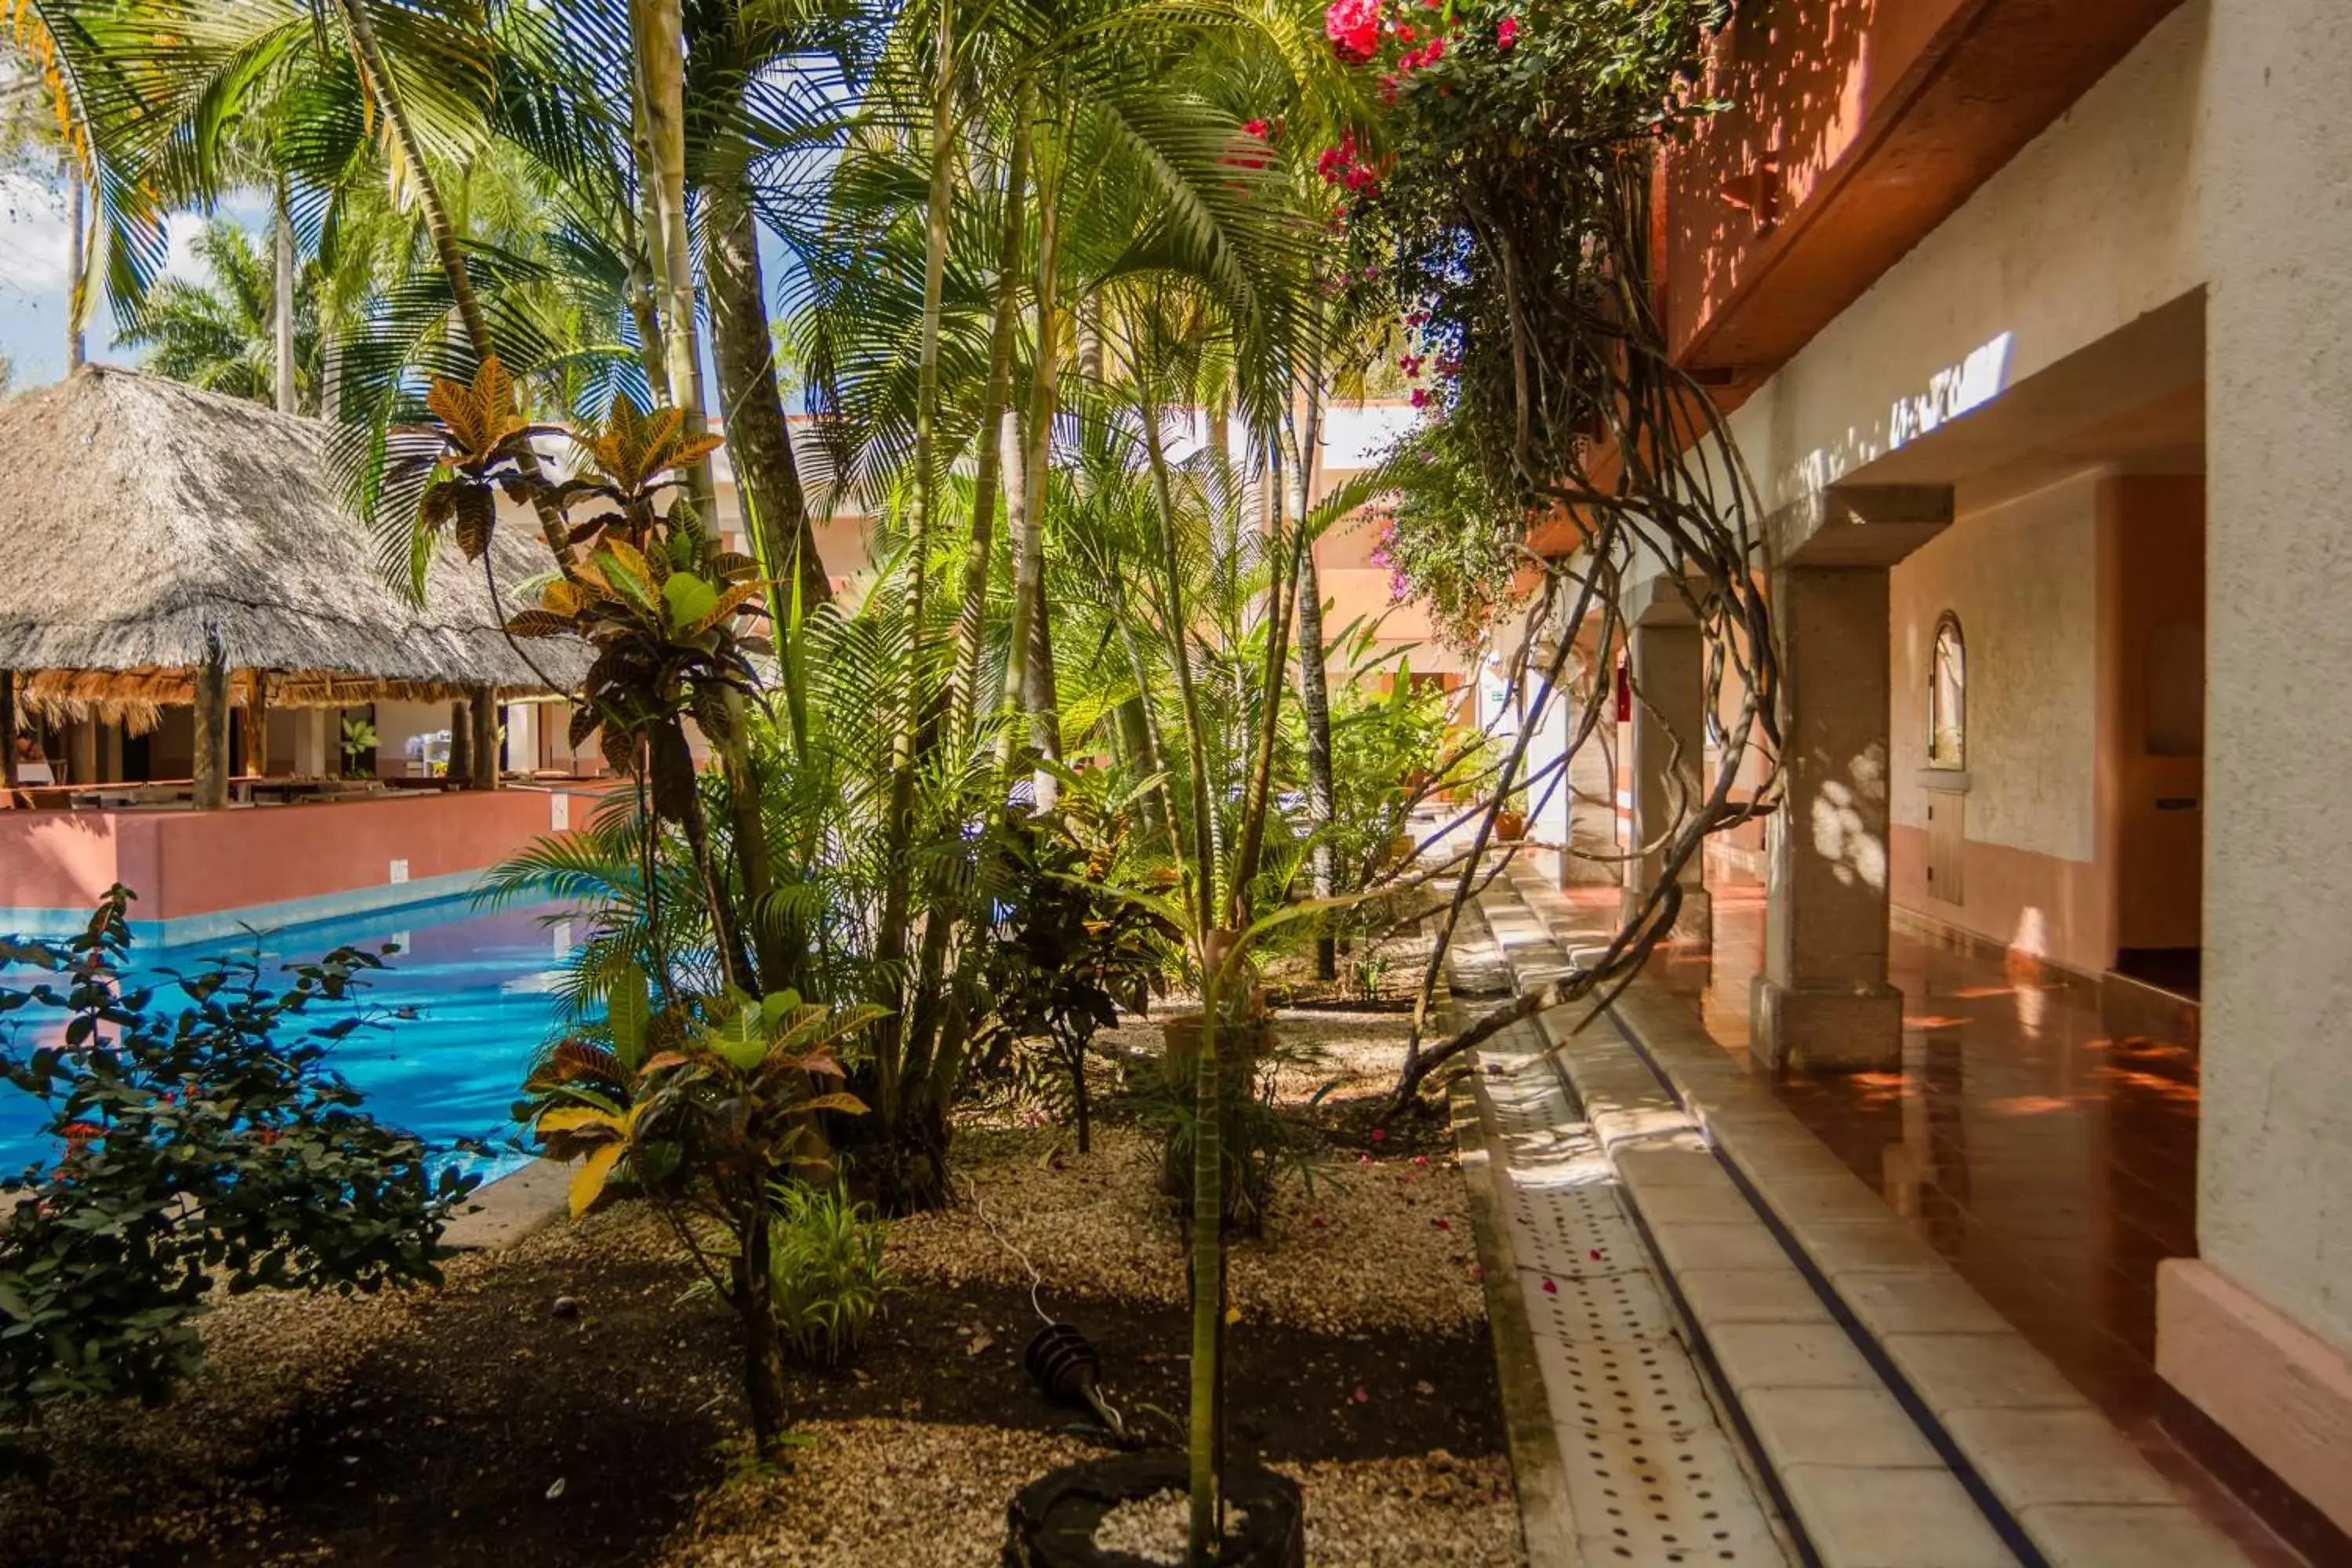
(2049,1157)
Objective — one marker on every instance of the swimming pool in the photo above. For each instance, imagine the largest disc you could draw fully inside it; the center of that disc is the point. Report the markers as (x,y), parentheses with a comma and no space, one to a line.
(480,985)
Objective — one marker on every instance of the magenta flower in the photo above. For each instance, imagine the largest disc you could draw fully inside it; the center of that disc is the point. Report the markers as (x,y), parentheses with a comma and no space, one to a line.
(1507,33)
(1420,397)
(1354,28)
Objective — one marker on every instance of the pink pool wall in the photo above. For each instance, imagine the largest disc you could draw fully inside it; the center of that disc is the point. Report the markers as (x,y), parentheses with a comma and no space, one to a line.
(185,864)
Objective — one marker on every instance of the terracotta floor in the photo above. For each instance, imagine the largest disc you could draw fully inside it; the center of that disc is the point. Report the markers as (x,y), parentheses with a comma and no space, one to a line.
(2054,1161)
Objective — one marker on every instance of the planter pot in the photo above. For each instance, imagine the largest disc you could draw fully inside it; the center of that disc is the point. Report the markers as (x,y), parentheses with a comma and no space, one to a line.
(1051,1524)
(1511,827)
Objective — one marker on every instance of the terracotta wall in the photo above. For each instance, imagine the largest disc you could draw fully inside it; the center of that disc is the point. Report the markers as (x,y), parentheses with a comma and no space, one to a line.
(184,863)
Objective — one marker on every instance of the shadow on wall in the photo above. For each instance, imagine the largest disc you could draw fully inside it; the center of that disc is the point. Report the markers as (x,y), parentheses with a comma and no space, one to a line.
(1798,92)
(1841,815)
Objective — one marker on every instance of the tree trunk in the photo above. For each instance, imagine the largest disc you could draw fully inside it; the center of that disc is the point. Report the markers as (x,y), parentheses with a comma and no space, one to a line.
(282,303)
(658,32)
(76,271)
(763,1354)
(759,436)
(211,735)
(891,939)
(1313,679)
(256,722)
(971,614)
(1028,672)
(461,741)
(375,78)
(484,704)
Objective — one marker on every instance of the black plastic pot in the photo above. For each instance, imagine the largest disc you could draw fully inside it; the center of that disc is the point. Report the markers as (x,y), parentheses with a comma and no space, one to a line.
(1051,1524)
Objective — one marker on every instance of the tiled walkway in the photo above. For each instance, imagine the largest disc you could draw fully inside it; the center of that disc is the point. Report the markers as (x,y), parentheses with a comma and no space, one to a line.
(2050,1159)
(2052,1162)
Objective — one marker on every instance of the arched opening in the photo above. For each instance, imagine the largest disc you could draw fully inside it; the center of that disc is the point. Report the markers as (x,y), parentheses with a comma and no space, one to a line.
(1947,697)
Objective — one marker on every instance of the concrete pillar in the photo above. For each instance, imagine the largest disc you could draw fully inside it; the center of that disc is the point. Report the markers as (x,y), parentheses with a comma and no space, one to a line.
(211,763)
(1821,999)
(1668,762)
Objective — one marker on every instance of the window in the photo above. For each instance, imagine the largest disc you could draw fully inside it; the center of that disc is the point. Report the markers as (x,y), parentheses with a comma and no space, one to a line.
(1947,697)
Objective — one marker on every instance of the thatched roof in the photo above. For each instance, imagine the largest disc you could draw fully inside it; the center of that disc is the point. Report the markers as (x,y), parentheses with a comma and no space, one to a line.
(148,523)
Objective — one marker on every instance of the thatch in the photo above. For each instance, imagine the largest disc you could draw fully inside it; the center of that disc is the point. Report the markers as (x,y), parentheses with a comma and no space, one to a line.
(150,524)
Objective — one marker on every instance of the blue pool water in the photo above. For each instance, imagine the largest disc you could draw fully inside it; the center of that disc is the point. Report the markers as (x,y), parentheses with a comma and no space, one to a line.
(480,985)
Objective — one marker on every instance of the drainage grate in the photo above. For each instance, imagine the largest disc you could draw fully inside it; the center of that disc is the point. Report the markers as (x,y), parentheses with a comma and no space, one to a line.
(1652,1477)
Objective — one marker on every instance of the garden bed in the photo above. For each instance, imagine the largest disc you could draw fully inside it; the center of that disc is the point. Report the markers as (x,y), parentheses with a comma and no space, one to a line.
(554,1401)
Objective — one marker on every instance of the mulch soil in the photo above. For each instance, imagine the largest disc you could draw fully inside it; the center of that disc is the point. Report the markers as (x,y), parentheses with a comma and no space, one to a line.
(562,1401)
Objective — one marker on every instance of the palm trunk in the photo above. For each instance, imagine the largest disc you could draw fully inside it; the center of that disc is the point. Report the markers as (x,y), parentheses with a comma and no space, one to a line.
(76,271)
(282,303)
(758,438)
(375,77)
(1208,1271)
(1028,669)
(1172,609)
(659,35)
(972,618)
(890,946)
(1314,681)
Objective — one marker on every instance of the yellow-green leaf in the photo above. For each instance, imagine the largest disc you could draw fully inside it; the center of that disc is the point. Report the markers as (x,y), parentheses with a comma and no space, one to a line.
(578,1119)
(848,1103)
(588,1182)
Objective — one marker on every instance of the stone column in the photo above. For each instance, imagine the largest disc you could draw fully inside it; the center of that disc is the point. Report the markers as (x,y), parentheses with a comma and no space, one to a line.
(1821,999)
(1668,749)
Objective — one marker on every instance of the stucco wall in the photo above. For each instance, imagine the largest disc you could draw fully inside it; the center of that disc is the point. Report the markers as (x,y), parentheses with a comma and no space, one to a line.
(2023,577)
(2092,225)
(2275,1201)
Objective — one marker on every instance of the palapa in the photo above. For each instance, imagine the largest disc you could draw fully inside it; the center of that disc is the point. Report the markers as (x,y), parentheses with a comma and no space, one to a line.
(156,526)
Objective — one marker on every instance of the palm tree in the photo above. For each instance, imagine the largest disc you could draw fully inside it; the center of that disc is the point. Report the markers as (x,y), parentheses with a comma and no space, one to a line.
(223,335)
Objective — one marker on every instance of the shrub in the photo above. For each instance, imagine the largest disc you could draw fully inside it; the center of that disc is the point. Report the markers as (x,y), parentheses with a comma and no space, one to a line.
(825,1262)
(200,1151)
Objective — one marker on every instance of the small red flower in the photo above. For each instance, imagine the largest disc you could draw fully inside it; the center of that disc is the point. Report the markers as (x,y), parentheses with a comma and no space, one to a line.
(1434,53)
(82,1131)
(1507,33)
(1410,365)
(1380,1135)
(1420,397)
(1550,1289)
(1389,90)
(1421,1159)
(1259,129)
(1405,33)
(1441,1223)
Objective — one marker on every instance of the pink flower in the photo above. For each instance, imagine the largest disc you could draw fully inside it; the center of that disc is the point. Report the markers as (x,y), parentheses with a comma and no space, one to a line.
(1410,365)
(1507,33)
(1550,1289)
(1420,397)
(1354,28)
(1258,129)
(1405,33)
(1434,53)
(1421,1159)
(1441,1223)
(1380,1135)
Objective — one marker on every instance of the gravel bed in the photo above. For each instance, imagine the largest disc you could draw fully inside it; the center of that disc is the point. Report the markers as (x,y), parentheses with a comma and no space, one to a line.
(884,1494)
(1377,1241)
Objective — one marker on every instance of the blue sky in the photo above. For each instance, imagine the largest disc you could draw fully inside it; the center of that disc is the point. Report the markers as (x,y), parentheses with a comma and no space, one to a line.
(33,268)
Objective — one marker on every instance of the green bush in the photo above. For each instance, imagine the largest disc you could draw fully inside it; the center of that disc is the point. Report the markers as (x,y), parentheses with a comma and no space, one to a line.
(200,1151)
(825,1262)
